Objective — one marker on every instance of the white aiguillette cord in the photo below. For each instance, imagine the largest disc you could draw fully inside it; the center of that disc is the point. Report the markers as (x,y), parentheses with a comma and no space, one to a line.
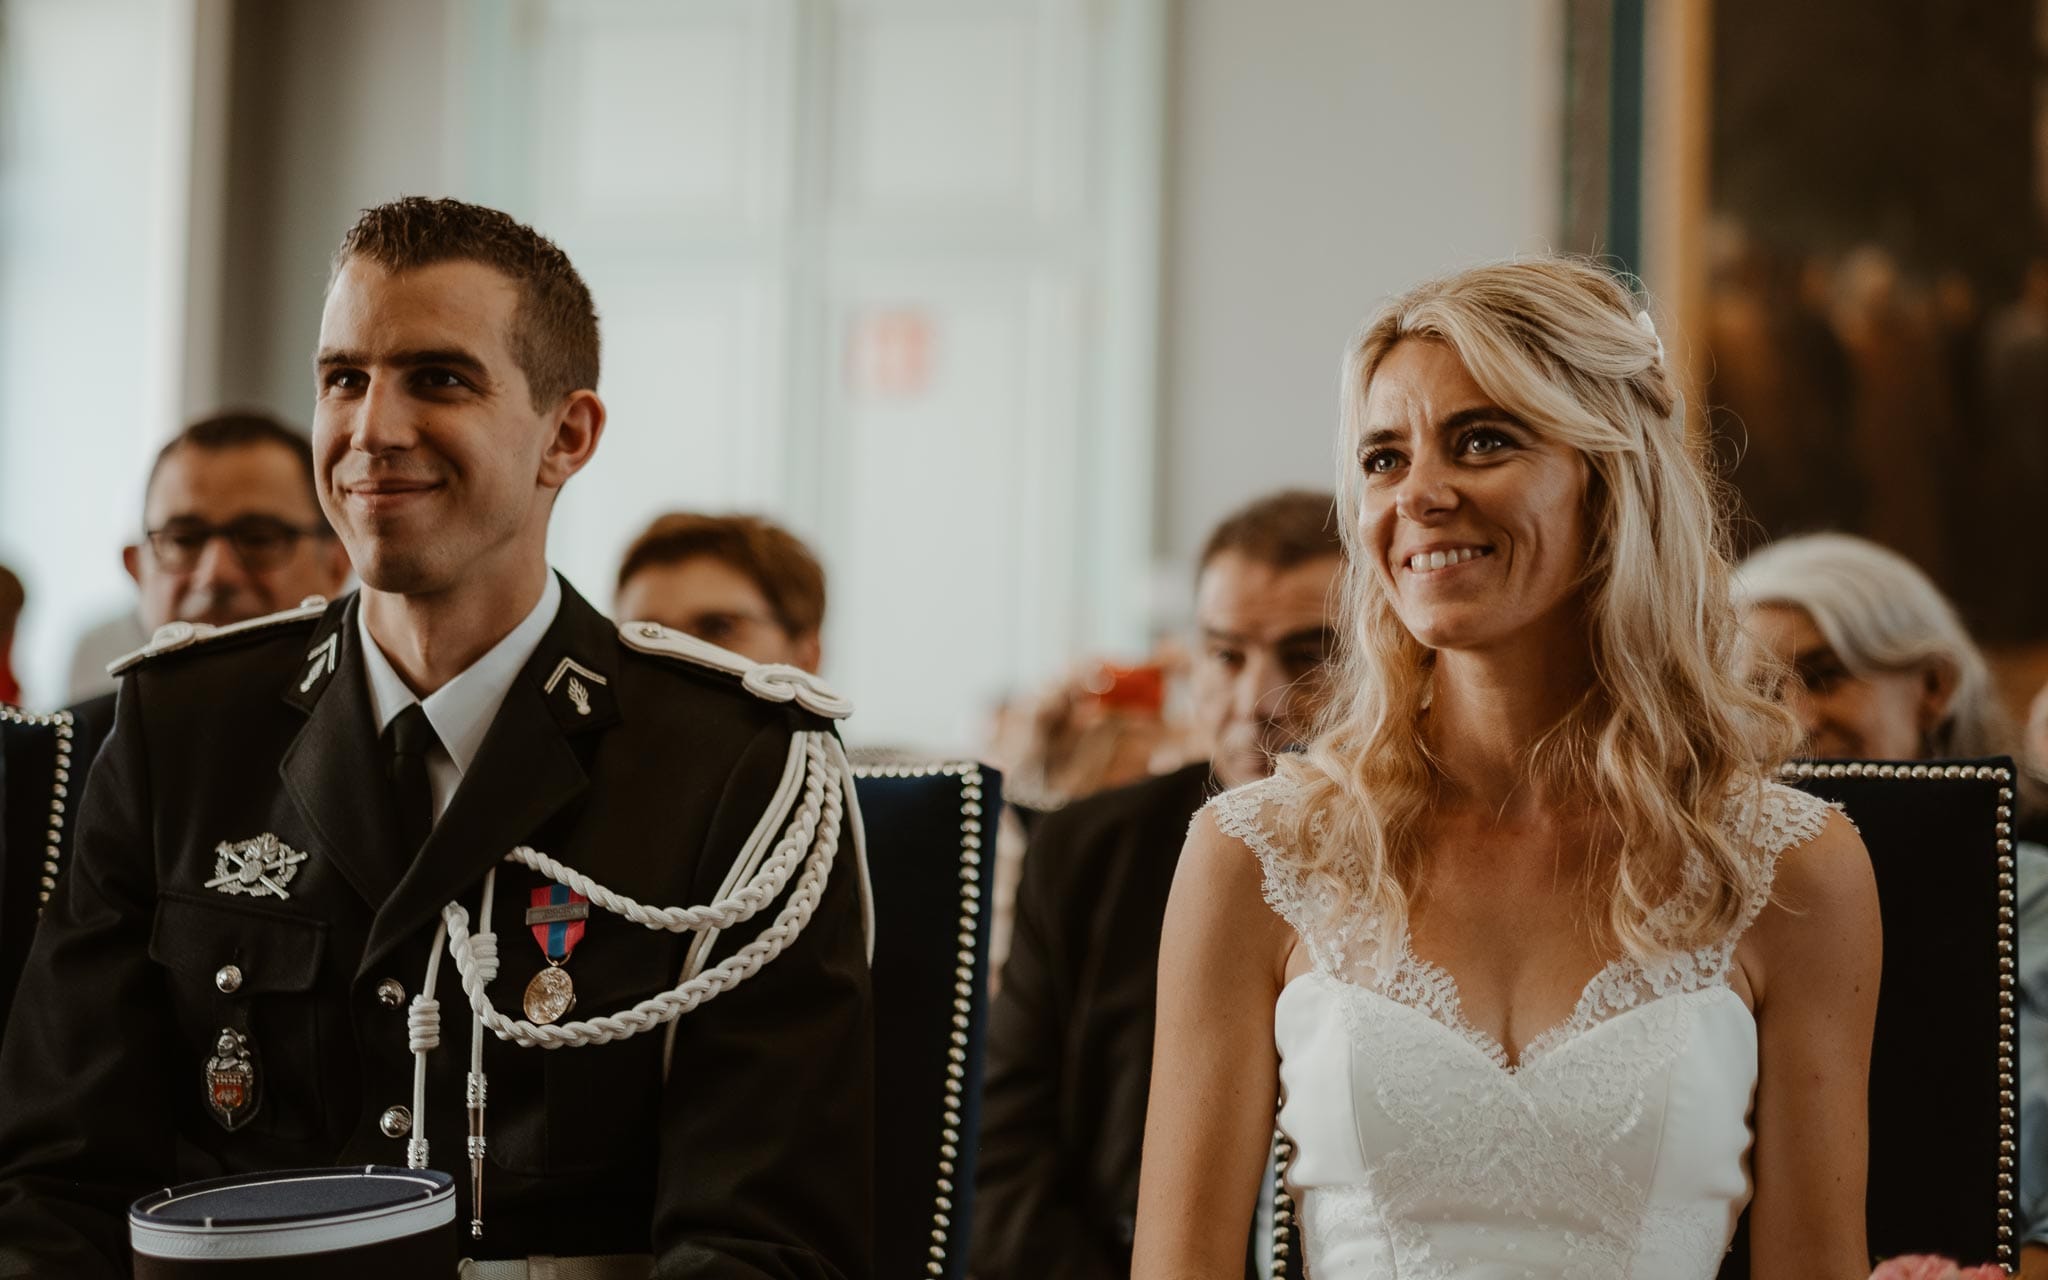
(816,770)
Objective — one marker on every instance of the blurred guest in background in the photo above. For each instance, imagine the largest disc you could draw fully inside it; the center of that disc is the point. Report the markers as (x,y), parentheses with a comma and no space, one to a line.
(231,530)
(1070,1035)
(738,581)
(2034,764)
(12,598)
(1876,663)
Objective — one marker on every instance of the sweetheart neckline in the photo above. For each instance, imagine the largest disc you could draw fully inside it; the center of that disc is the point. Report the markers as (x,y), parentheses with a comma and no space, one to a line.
(1490,1050)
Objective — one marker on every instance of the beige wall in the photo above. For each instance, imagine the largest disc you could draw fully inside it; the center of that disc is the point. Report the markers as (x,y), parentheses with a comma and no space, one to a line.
(1322,154)
(1325,154)
(328,116)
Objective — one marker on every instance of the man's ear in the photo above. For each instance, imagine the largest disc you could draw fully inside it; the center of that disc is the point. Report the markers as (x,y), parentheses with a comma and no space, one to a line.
(578,423)
(131,560)
(810,654)
(1938,683)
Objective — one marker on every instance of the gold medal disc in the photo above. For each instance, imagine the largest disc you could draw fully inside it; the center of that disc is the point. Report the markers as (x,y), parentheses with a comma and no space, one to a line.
(549,996)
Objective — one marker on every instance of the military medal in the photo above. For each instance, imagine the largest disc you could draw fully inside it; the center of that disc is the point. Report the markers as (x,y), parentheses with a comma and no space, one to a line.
(231,1079)
(557,919)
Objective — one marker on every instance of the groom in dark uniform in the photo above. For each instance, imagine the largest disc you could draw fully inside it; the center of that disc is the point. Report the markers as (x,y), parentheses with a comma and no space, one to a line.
(222,980)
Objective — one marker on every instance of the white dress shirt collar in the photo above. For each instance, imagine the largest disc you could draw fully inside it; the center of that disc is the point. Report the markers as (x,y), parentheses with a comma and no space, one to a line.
(461,711)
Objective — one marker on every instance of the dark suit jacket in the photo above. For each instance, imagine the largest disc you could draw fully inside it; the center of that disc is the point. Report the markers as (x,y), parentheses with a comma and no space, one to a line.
(1070,1035)
(751,1160)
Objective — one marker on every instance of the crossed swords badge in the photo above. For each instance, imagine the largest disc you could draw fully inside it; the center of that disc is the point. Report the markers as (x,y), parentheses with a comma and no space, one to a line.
(258,867)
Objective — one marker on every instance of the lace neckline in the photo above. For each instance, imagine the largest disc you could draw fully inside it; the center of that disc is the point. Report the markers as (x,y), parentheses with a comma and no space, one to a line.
(1432,988)
(1771,819)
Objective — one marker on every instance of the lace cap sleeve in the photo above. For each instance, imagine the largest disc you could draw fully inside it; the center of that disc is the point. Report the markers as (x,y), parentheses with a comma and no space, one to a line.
(1776,817)
(1262,814)
(1773,818)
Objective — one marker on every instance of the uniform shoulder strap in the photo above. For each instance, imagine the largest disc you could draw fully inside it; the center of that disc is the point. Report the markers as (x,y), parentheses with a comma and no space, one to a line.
(173,636)
(770,681)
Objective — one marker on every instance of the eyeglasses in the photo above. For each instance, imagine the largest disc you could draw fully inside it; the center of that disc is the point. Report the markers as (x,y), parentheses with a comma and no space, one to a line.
(259,542)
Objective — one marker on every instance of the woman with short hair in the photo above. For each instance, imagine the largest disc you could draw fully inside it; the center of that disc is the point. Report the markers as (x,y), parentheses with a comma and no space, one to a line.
(1507,935)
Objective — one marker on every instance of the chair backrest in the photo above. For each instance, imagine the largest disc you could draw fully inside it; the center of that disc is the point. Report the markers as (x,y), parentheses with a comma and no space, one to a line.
(1944,1066)
(37,769)
(927,827)
(1283,1260)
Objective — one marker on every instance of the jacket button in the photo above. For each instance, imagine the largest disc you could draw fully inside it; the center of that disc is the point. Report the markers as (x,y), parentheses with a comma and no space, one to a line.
(396,1122)
(228,979)
(390,993)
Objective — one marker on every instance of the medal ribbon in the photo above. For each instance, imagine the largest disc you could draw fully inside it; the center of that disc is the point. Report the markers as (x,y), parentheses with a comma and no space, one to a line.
(557,938)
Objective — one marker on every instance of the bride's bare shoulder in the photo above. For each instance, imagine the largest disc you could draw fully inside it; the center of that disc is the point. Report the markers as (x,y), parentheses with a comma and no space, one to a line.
(1223,887)
(1822,923)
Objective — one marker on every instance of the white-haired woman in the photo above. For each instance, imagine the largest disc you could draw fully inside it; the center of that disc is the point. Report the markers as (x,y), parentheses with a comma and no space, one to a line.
(1509,935)
(1873,660)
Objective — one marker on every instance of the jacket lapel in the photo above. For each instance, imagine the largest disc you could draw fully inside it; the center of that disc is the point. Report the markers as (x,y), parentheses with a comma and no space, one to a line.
(332,769)
(527,770)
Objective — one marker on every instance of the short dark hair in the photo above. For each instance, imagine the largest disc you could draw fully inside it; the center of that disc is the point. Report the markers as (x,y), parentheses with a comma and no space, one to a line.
(554,328)
(240,429)
(777,561)
(1282,530)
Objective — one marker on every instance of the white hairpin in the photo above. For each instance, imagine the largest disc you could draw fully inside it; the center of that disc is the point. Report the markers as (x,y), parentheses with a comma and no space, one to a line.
(1649,326)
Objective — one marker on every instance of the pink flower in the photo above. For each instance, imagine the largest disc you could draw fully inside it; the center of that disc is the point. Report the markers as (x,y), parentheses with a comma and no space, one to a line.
(1925,1266)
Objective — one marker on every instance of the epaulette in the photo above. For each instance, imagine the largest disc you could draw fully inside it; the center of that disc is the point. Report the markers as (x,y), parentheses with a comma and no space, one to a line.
(173,636)
(772,681)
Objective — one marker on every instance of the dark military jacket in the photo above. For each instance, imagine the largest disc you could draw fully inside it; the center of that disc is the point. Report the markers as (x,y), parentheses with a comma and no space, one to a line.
(750,1158)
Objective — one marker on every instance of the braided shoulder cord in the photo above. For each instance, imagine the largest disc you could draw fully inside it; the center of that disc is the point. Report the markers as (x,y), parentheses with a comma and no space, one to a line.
(815,828)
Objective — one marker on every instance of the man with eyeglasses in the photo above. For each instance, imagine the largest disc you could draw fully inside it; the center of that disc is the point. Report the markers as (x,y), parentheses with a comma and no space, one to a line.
(232,530)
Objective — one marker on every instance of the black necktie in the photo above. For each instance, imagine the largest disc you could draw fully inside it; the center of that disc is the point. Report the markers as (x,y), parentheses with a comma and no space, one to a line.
(408,740)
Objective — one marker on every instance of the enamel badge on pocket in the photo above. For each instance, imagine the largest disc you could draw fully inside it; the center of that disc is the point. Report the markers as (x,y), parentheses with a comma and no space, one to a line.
(231,1088)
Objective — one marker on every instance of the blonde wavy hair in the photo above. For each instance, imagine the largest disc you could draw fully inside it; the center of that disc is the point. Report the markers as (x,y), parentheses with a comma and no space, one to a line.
(1667,731)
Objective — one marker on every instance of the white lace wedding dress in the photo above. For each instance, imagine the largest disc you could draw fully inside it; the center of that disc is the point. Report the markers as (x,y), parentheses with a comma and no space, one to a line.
(1615,1147)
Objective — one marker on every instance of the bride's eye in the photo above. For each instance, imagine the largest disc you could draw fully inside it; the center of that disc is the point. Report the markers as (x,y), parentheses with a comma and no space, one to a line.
(1485,440)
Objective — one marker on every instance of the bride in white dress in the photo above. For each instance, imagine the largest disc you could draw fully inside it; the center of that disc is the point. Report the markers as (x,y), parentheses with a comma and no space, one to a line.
(1553,981)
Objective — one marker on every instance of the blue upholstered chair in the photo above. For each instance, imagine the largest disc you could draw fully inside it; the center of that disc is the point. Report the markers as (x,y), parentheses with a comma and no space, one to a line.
(1943,1076)
(930,839)
(39,773)
(1944,1066)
